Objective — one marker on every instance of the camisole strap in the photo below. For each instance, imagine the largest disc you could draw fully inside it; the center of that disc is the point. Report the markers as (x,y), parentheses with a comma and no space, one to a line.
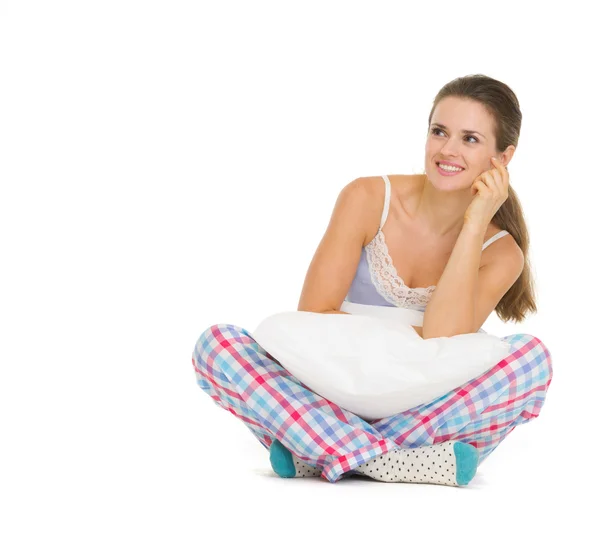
(386,203)
(494,238)
(386,208)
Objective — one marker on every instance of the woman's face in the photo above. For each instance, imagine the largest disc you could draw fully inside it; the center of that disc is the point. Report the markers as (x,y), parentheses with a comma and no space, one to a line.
(470,150)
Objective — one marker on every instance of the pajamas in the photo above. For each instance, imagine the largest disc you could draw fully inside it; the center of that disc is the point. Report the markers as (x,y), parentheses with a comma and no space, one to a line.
(244,379)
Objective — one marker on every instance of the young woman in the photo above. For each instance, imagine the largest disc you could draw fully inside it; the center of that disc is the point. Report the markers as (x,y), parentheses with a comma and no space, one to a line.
(451,242)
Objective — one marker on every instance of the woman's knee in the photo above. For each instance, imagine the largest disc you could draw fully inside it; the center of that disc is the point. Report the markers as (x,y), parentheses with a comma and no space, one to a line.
(217,345)
(546,362)
(535,355)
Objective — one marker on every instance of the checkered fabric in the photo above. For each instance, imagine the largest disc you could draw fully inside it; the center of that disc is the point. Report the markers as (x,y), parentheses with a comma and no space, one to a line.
(244,379)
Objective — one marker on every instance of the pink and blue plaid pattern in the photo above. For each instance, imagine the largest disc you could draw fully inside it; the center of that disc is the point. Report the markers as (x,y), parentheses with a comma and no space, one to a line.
(244,379)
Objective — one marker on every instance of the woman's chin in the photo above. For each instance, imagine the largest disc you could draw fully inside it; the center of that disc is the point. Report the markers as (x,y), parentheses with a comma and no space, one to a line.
(449,183)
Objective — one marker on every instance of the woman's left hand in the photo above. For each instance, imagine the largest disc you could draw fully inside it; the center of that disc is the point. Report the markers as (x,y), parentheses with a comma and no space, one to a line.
(491,190)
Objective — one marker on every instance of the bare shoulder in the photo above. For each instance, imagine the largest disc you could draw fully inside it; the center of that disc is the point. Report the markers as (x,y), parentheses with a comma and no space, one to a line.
(505,249)
(364,191)
(404,188)
(400,182)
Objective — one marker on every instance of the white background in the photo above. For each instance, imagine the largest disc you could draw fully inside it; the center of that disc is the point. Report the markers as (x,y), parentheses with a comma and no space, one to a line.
(167,166)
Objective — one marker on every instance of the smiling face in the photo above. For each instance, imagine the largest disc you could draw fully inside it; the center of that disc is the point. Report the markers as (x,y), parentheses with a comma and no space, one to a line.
(446,140)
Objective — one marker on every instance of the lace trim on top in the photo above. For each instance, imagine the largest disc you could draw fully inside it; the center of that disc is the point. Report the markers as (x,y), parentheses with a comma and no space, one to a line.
(384,275)
(386,280)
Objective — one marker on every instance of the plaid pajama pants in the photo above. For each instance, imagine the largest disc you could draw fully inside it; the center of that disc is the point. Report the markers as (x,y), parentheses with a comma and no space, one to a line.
(244,379)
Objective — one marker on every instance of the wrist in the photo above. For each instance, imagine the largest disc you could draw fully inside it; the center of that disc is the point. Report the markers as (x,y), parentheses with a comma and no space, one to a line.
(474,229)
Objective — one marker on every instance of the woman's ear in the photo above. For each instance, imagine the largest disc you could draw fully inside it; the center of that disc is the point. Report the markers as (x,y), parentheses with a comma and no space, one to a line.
(507,155)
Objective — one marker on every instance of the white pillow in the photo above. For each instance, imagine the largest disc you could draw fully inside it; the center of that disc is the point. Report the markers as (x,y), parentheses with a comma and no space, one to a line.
(372,362)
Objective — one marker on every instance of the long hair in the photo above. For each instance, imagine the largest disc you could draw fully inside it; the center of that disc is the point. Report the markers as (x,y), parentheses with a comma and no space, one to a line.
(502,103)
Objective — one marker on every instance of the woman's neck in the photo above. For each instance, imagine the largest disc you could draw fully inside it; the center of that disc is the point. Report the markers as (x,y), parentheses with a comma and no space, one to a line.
(441,212)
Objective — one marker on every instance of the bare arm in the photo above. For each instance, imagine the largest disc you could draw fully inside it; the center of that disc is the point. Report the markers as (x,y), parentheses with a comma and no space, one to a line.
(336,259)
(451,309)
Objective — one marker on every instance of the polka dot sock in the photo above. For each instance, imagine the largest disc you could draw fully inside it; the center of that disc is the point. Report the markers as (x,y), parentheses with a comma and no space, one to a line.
(287,465)
(446,463)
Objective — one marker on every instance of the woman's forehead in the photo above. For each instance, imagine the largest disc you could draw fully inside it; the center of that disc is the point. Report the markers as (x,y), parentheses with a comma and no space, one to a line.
(461,114)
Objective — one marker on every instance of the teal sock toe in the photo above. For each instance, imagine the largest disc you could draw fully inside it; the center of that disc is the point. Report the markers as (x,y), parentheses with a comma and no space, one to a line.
(467,458)
(281,460)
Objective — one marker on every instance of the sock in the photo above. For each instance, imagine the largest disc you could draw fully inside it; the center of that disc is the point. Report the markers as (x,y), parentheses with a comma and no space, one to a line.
(446,463)
(287,465)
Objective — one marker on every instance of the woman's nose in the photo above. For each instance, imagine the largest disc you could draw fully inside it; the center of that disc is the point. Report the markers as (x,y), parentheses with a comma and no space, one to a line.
(450,148)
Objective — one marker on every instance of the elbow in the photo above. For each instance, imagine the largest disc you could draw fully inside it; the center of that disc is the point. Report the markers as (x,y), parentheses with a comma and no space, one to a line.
(419,331)
(444,334)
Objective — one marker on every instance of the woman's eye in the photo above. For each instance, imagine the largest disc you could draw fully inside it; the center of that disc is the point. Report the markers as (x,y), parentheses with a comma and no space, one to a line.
(434,130)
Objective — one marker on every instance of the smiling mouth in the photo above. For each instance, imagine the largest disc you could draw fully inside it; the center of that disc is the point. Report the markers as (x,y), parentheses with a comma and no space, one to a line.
(448,172)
